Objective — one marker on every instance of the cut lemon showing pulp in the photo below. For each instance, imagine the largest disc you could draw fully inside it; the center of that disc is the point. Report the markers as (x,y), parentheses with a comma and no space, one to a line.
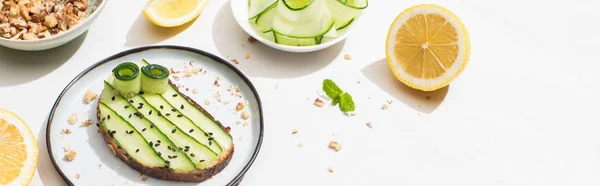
(171,13)
(427,47)
(18,150)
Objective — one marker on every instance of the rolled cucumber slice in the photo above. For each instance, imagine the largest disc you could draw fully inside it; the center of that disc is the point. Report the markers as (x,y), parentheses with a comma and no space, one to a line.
(346,11)
(312,21)
(256,7)
(126,79)
(155,78)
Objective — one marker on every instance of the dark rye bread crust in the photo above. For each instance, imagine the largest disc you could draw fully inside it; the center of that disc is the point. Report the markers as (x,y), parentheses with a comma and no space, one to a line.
(166,173)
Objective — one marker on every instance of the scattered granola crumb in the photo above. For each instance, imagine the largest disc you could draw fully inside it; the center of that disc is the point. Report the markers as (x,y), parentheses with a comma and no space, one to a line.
(251,39)
(335,146)
(77,176)
(99,166)
(235,61)
(369,125)
(87,123)
(195,91)
(390,101)
(300,145)
(294,131)
(318,102)
(67,148)
(89,96)
(347,57)
(206,102)
(330,170)
(144,178)
(187,89)
(384,107)
(172,70)
(358,82)
(427,97)
(238,122)
(353,114)
(65,131)
(70,155)
(239,106)
(247,56)
(120,166)
(245,115)
(73,119)
(217,83)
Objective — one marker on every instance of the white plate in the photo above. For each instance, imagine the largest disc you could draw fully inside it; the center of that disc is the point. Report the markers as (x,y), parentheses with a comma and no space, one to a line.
(240,13)
(96,164)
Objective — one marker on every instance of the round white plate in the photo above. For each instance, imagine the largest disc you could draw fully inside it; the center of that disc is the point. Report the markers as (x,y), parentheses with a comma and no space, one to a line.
(96,165)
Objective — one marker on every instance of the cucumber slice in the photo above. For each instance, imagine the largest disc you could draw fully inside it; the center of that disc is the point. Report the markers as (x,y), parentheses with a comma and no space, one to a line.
(345,11)
(155,79)
(256,7)
(264,22)
(291,41)
(220,136)
(202,157)
(177,160)
(329,36)
(297,4)
(183,122)
(132,143)
(312,21)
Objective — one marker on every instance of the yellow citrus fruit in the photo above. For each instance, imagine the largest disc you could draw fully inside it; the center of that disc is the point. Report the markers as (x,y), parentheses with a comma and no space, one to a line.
(427,47)
(171,13)
(18,150)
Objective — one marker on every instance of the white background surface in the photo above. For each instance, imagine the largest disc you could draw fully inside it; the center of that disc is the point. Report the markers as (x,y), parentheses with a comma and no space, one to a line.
(522,113)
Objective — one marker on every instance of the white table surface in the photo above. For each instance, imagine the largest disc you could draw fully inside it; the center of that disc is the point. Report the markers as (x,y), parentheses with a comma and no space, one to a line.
(524,112)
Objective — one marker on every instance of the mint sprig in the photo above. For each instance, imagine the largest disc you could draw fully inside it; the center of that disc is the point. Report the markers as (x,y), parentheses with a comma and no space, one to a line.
(344,99)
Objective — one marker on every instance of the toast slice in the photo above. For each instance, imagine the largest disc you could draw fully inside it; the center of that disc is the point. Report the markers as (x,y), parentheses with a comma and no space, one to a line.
(134,160)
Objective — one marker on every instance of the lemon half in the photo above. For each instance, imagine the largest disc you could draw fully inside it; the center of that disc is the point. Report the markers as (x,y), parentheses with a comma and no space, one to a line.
(172,13)
(18,150)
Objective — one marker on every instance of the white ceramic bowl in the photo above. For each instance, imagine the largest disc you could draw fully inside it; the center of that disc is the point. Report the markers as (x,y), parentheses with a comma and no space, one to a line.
(240,13)
(59,39)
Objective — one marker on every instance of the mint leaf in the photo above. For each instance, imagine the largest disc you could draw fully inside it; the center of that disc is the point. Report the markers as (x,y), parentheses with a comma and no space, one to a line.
(346,103)
(331,89)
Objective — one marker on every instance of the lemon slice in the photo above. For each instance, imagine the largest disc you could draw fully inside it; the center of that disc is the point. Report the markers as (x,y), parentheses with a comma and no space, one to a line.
(171,13)
(18,150)
(427,47)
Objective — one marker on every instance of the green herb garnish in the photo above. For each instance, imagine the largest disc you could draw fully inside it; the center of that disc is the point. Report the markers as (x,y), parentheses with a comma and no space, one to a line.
(338,96)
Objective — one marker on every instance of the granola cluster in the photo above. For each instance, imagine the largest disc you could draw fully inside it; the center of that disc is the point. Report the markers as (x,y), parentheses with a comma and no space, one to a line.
(37,19)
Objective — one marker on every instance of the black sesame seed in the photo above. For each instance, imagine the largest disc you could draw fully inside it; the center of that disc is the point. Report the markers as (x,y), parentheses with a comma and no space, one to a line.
(103,118)
(113,132)
(151,143)
(181,107)
(159,114)
(169,157)
(159,154)
(186,150)
(108,116)
(113,98)
(169,147)
(158,141)
(130,101)
(210,133)
(97,124)
(144,129)
(192,155)
(161,107)
(108,131)
(191,130)
(137,150)
(167,161)
(129,115)
(151,125)
(174,95)
(173,131)
(156,145)
(150,112)
(126,106)
(179,115)
(167,114)
(140,107)
(141,92)
(174,110)
(201,160)
(174,156)
(180,148)
(187,147)
(205,134)
(141,103)
(209,143)
(211,138)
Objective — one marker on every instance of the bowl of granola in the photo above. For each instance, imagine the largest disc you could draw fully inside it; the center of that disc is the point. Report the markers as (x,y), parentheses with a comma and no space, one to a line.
(34,25)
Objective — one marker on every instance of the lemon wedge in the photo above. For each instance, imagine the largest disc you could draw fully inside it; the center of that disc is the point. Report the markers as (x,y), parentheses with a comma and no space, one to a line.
(18,150)
(427,47)
(172,13)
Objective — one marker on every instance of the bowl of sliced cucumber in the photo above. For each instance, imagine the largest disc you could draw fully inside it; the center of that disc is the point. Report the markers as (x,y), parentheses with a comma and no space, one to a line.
(298,25)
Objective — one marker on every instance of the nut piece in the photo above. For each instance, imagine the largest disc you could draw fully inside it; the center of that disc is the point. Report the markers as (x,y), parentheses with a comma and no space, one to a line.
(65,131)
(73,119)
(347,57)
(245,115)
(87,123)
(369,125)
(335,146)
(294,131)
(384,107)
(239,106)
(70,156)
(195,91)
(318,102)
(330,170)
(89,96)
(77,176)
(300,145)
(67,148)
(50,21)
